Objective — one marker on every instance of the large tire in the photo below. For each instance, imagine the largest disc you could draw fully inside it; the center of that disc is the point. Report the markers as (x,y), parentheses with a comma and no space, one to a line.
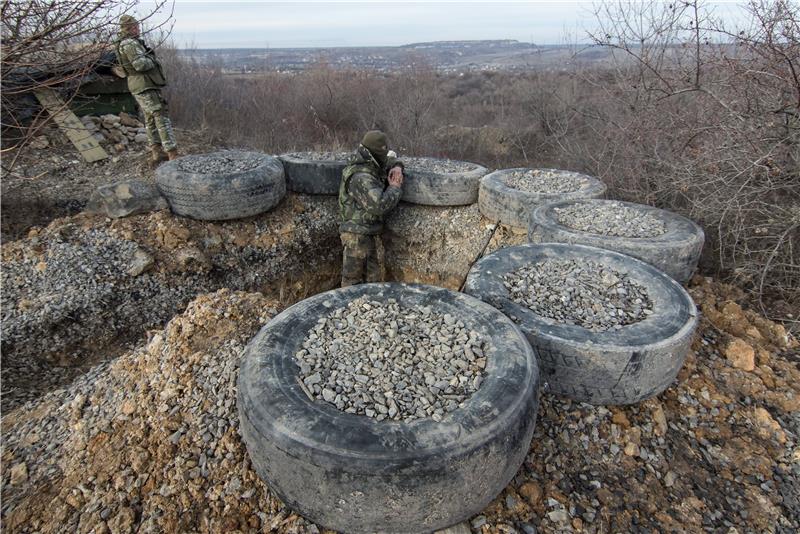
(215,196)
(676,252)
(612,367)
(305,174)
(499,202)
(430,188)
(355,474)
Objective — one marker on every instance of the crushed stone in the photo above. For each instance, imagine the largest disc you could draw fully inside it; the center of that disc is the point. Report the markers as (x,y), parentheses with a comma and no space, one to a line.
(321,156)
(435,165)
(417,363)
(222,162)
(610,218)
(545,181)
(583,293)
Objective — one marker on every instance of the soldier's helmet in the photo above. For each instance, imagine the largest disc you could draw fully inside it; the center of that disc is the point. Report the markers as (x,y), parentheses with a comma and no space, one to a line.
(377,143)
(127,20)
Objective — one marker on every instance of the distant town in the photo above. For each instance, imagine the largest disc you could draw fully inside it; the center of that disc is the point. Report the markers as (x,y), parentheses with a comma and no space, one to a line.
(443,56)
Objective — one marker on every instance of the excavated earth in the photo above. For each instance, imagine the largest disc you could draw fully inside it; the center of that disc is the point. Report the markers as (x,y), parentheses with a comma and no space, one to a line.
(121,344)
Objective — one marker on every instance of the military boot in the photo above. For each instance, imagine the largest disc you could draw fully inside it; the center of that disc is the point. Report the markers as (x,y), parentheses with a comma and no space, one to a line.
(157,156)
(172,154)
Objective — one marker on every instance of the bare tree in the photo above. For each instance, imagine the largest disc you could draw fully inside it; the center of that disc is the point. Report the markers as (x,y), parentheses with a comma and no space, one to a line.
(719,111)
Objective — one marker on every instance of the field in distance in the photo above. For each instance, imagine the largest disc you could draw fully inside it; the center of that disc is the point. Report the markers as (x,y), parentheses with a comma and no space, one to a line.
(445,56)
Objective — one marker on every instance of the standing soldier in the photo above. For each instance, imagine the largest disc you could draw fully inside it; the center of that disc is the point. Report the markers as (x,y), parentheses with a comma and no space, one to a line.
(145,79)
(370,188)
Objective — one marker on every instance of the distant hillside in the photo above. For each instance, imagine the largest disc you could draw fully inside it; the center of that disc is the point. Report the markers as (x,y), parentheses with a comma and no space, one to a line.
(448,56)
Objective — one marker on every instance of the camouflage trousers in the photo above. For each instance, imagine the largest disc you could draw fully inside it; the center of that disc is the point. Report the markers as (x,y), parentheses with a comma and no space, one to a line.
(158,125)
(360,259)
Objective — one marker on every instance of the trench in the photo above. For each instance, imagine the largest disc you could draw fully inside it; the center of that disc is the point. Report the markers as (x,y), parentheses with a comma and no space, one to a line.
(287,254)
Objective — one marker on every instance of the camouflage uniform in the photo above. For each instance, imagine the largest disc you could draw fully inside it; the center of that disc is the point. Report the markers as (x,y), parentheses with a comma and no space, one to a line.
(365,197)
(145,78)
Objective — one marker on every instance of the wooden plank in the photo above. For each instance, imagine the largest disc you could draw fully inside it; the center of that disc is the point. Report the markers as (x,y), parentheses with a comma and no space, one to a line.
(77,133)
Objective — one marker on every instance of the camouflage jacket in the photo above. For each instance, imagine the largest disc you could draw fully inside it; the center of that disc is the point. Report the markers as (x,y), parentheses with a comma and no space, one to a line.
(365,195)
(139,62)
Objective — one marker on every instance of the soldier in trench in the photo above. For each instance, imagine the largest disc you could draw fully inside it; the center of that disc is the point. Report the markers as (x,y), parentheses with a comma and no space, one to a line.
(145,79)
(371,187)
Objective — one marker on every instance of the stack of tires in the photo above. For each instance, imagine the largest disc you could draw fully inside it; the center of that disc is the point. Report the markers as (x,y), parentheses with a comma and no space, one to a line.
(356,474)
(675,250)
(657,249)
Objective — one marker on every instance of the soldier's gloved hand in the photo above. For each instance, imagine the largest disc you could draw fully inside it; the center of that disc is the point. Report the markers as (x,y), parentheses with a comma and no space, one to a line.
(396,176)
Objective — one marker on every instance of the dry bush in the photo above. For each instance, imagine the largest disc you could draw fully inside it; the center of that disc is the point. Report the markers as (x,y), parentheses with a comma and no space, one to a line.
(321,107)
(689,117)
(707,123)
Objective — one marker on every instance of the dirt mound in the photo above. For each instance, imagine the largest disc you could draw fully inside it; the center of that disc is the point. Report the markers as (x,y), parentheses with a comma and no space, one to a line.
(149,443)
(86,287)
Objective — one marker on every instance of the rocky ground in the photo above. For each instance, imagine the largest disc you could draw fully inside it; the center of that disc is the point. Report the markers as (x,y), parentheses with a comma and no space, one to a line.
(84,288)
(434,245)
(147,439)
(149,443)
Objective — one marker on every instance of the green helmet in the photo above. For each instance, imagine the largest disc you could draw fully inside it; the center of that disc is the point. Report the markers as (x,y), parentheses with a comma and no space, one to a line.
(127,20)
(377,143)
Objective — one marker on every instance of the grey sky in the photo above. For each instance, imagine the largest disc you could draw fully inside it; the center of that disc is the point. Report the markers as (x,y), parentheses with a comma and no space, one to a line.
(256,24)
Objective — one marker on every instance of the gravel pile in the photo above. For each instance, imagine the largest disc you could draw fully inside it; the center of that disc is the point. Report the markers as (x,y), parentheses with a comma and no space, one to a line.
(224,162)
(441,166)
(132,437)
(545,181)
(387,361)
(610,218)
(76,297)
(71,295)
(586,293)
(321,156)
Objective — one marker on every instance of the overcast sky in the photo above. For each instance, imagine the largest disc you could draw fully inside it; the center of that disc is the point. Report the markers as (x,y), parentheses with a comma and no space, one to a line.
(257,24)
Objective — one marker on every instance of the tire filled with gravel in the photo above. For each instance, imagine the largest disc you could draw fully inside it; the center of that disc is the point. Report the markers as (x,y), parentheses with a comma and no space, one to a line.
(441,182)
(608,328)
(314,173)
(510,195)
(364,407)
(228,184)
(666,240)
